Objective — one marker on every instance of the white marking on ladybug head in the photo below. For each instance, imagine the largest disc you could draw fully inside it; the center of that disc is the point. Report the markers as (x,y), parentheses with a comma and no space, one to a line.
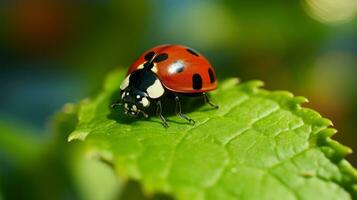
(138,96)
(154,69)
(145,102)
(134,108)
(155,90)
(123,95)
(126,105)
(141,66)
(125,83)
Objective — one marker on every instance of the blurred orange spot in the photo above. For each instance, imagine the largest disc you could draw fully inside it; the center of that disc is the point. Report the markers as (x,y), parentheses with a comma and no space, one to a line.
(39,26)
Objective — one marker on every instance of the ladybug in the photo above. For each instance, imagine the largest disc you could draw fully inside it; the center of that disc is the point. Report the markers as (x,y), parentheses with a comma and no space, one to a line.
(169,70)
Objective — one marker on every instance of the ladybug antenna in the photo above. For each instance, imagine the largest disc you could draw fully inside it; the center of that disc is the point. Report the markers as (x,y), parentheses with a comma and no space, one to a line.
(161,57)
(148,65)
(144,113)
(151,59)
(116,104)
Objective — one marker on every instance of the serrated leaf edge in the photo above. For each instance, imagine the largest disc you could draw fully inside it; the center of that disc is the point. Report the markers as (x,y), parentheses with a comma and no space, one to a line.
(286,98)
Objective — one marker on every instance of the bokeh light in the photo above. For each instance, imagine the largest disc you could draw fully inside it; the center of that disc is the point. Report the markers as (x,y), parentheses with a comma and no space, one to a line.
(331,11)
(210,24)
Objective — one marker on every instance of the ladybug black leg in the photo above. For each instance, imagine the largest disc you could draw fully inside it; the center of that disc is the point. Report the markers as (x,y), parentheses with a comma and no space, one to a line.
(205,97)
(144,113)
(159,113)
(179,113)
(116,104)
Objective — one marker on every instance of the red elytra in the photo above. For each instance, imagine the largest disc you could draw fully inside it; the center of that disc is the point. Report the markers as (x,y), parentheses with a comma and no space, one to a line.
(183,71)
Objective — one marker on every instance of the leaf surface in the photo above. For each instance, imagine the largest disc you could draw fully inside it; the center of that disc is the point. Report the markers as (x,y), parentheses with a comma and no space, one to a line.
(258,145)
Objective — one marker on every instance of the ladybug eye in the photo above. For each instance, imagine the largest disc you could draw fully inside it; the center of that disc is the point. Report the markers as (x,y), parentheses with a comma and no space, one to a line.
(138,96)
(127,93)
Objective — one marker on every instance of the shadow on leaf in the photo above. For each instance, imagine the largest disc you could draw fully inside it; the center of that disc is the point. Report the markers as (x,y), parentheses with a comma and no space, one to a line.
(133,191)
(188,104)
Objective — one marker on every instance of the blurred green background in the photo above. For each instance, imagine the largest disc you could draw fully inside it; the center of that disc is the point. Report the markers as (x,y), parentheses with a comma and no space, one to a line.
(54,52)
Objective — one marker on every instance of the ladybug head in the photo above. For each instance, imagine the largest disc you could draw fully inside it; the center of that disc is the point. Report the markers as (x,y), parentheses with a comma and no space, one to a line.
(134,101)
(137,90)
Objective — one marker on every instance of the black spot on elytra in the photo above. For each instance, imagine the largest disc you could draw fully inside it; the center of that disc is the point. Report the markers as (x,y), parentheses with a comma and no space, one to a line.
(196,82)
(161,57)
(192,52)
(212,78)
(149,56)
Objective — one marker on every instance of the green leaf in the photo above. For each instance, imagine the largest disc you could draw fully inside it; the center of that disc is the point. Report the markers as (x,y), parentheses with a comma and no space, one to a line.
(90,178)
(257,145)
